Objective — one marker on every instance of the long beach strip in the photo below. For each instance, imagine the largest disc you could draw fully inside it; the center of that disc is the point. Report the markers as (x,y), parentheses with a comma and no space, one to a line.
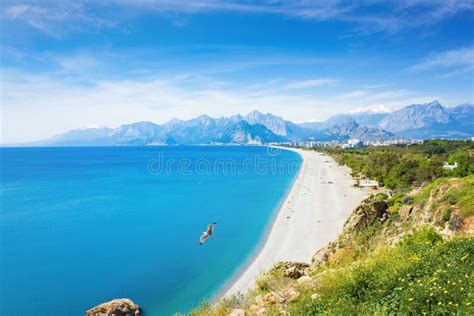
(320,201)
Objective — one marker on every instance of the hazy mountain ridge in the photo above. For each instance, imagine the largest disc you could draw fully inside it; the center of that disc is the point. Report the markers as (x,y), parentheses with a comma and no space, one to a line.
(201,130)
(413,121)
(353,130)
(416,116)
(429,120)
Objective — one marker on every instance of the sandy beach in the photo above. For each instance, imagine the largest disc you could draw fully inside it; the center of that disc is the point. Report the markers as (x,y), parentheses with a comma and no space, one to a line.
(318,204)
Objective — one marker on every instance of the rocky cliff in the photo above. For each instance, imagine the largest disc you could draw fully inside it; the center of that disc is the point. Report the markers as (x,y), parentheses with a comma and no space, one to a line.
(117,307)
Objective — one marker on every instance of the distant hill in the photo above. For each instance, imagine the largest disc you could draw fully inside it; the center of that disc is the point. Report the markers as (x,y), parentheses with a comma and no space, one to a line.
(413,121)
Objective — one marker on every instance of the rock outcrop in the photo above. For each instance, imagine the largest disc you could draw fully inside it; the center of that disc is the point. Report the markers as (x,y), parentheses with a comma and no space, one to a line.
(366,213)
(320,257)
(292,269)
(117,307)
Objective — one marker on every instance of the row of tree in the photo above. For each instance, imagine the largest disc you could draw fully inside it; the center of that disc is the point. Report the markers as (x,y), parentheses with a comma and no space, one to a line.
(402,167)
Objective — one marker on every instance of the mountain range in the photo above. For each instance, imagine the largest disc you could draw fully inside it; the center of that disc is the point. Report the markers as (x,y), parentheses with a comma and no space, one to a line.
(419,121)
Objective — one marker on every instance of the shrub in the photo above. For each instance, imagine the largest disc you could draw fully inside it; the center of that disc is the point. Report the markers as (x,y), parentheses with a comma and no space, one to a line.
(447,214)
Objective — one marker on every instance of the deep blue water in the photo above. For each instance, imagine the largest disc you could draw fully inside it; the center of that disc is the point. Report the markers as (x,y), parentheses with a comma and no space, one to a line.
(81,226)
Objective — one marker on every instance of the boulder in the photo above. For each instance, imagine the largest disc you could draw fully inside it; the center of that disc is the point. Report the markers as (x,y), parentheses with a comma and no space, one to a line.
(292,269)
(380,208)
(366,213)
(117,307)
(361,217)
(320,257)
(238,312)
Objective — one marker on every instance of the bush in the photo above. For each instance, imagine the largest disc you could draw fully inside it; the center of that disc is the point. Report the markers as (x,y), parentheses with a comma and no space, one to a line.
(408,200)
(447,214)
(381,197)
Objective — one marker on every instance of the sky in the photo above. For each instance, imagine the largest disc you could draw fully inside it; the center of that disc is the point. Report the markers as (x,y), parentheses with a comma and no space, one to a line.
(89,63)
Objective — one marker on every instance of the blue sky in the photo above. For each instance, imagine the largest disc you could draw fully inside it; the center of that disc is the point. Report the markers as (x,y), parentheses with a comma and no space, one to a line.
(86,63)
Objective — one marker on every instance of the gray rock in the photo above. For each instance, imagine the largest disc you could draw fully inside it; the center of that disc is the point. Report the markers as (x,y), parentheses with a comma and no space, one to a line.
(116,307)
(320,257)
(292,269)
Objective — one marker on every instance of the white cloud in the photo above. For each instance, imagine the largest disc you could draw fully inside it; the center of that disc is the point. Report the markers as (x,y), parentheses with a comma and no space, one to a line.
(352,94)
(54,17)
(376,86)
(461,59)
(368,15)
(313,83)
(368,97)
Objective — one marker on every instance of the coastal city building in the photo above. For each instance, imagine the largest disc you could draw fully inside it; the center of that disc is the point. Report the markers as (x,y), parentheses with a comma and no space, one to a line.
(351,143)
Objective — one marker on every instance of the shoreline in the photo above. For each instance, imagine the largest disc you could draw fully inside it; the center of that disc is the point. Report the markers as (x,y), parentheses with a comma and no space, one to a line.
(222,292)
(308,218)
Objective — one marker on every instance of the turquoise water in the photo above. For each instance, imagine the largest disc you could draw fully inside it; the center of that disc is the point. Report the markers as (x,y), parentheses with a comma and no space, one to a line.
(81,226)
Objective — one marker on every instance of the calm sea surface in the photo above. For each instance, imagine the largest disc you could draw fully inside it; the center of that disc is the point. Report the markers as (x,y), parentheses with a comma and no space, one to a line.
(81,226)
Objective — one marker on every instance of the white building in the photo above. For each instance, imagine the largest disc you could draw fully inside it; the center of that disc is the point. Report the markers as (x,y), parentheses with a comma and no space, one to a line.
(354,142)
(447,166)
(367,183)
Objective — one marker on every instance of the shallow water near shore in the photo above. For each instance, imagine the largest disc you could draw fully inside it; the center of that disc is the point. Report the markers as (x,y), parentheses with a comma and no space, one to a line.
(80,226)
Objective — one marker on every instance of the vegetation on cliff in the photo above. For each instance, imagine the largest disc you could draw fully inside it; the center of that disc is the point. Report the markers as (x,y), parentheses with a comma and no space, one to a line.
(408,249)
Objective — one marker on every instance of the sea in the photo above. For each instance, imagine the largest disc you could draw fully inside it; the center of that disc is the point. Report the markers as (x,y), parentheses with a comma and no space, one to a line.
(80,226)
